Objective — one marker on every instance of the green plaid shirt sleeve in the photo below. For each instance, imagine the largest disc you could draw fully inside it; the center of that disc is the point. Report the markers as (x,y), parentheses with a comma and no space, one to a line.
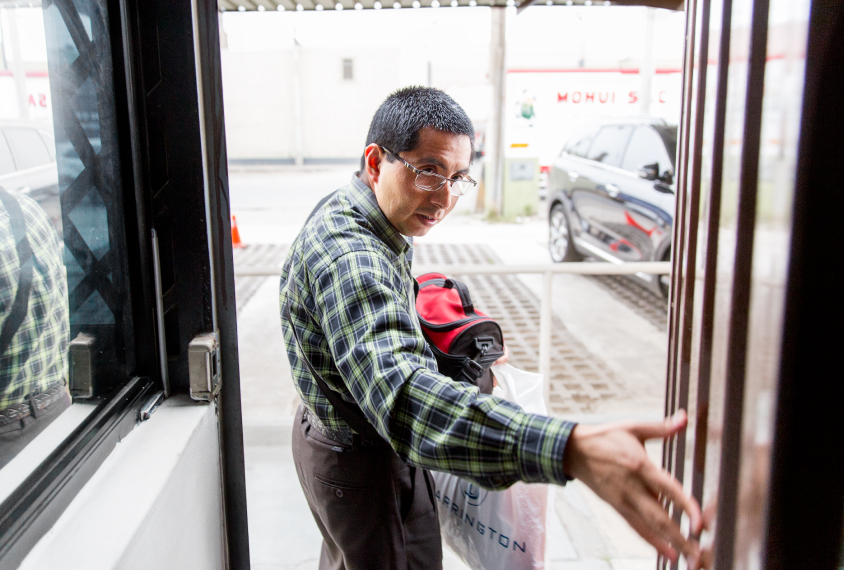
(349,275)
(36,358)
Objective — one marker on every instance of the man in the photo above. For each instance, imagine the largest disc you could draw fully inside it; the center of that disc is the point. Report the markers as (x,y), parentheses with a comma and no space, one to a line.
(33,324)
(349,318)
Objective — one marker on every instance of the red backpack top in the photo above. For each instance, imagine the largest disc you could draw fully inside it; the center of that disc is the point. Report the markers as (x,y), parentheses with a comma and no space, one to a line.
(464,341)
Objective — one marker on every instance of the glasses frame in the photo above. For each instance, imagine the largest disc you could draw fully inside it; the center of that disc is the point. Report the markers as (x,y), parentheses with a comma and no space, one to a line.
(451,188)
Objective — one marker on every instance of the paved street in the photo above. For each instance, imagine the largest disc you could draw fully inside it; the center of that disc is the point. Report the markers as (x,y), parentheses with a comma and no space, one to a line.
(609,363)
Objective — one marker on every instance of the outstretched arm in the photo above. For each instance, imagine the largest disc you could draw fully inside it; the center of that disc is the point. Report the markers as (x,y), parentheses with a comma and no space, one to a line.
(611,460)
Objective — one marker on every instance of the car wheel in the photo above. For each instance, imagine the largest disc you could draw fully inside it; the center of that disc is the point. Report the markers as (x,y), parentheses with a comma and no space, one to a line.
(559,236)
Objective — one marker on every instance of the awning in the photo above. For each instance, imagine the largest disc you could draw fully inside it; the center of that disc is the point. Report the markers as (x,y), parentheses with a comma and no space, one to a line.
(301,5)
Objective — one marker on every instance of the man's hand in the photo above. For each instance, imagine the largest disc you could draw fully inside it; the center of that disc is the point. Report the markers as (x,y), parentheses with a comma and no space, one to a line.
(611,460)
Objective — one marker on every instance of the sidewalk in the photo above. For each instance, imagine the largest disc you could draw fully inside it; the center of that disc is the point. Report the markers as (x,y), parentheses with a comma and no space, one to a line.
(585,533)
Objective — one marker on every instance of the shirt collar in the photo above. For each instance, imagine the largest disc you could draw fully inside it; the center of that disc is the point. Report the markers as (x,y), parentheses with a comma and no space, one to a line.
(363,200)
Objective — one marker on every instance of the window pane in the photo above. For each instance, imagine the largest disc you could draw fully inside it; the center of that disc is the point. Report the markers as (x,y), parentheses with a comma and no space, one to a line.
(609,145)
(33,294)
(645,147)
(579,147)
(7,164)
(50,141)
(75,281)
(669,137)
(28,147)
(33,280)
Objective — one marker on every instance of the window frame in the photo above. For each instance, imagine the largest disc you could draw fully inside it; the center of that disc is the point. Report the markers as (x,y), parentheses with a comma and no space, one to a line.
(119,392)
(194,110)
(663,152)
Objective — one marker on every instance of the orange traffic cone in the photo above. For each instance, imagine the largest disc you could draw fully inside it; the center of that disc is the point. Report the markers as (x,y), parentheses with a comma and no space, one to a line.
(236,234)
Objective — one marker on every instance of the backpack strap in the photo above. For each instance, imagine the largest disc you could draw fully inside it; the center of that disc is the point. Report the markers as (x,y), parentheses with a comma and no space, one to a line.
(352,415)
(21,304)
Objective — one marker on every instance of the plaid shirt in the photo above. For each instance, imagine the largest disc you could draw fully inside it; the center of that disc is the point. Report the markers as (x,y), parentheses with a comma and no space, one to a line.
(348,275)
(36,358)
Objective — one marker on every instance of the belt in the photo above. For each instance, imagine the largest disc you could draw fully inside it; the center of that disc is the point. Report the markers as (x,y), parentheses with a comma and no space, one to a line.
(343,437)
(32,405)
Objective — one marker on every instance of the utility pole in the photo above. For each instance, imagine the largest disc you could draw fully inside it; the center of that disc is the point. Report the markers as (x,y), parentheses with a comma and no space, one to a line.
(297,99)
(647,69)
(17,65)
(4,65)
(495,132)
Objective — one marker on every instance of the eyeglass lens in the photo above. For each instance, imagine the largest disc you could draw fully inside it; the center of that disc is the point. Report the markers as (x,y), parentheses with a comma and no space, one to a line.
(428,182)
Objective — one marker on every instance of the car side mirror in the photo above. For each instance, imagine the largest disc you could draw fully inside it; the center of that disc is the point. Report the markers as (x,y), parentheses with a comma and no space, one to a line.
(649,171)
(667,177)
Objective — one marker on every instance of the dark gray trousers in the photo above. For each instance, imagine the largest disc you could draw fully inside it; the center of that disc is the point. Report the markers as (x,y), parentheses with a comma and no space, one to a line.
(14,437)
(374,512)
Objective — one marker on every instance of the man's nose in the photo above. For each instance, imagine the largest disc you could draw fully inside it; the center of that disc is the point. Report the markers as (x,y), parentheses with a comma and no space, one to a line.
(443,197)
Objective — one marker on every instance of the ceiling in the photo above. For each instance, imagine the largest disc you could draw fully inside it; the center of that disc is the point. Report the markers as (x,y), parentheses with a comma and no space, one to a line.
(301,5)
(282,5)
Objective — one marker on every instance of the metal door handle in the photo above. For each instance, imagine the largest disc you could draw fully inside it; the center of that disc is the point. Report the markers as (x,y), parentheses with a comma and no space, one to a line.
(612,190)
(573,175)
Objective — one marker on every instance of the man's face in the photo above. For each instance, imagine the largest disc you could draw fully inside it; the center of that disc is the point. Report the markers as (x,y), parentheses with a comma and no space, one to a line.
(410,210)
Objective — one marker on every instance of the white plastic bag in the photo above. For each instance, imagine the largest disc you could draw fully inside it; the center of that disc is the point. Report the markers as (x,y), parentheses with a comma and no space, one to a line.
(497,530)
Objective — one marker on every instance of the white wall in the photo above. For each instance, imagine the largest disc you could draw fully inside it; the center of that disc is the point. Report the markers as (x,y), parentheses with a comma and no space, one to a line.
(394,48)
(156,502)
(258,96)
(336,112)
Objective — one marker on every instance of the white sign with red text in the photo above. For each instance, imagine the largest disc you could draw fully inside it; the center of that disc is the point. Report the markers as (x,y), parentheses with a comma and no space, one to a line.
(547,106)
(38,101)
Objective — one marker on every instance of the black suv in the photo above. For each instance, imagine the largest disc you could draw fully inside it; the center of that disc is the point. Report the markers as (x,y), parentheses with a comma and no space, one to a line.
(611,194)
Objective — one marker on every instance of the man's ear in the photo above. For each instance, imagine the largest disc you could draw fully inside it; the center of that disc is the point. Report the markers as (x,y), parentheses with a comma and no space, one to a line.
(372,162)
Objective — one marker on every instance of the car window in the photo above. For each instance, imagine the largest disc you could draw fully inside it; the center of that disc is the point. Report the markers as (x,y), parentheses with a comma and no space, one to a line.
(608,146)
(645,147)
(580,146)
(7,165)
(669,138)
(29,148)
(51,144)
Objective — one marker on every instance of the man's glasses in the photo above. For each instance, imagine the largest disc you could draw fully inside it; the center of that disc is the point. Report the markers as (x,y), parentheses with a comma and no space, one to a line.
(431,181)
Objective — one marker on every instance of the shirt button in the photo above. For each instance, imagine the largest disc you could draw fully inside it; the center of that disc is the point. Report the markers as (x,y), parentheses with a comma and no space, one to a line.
(339,493)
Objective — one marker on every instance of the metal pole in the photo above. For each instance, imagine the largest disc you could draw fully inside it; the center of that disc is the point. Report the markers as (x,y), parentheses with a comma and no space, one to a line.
(17,65)
(203,146)
(297,98)
(159,314)
(545,313)
(4,64)
(595,268)
(224,37)
(495,134)
(648,68)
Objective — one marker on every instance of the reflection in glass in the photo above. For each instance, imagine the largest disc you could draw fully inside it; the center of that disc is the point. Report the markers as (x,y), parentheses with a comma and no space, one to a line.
(33,313)
(34,324)
(59,163)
